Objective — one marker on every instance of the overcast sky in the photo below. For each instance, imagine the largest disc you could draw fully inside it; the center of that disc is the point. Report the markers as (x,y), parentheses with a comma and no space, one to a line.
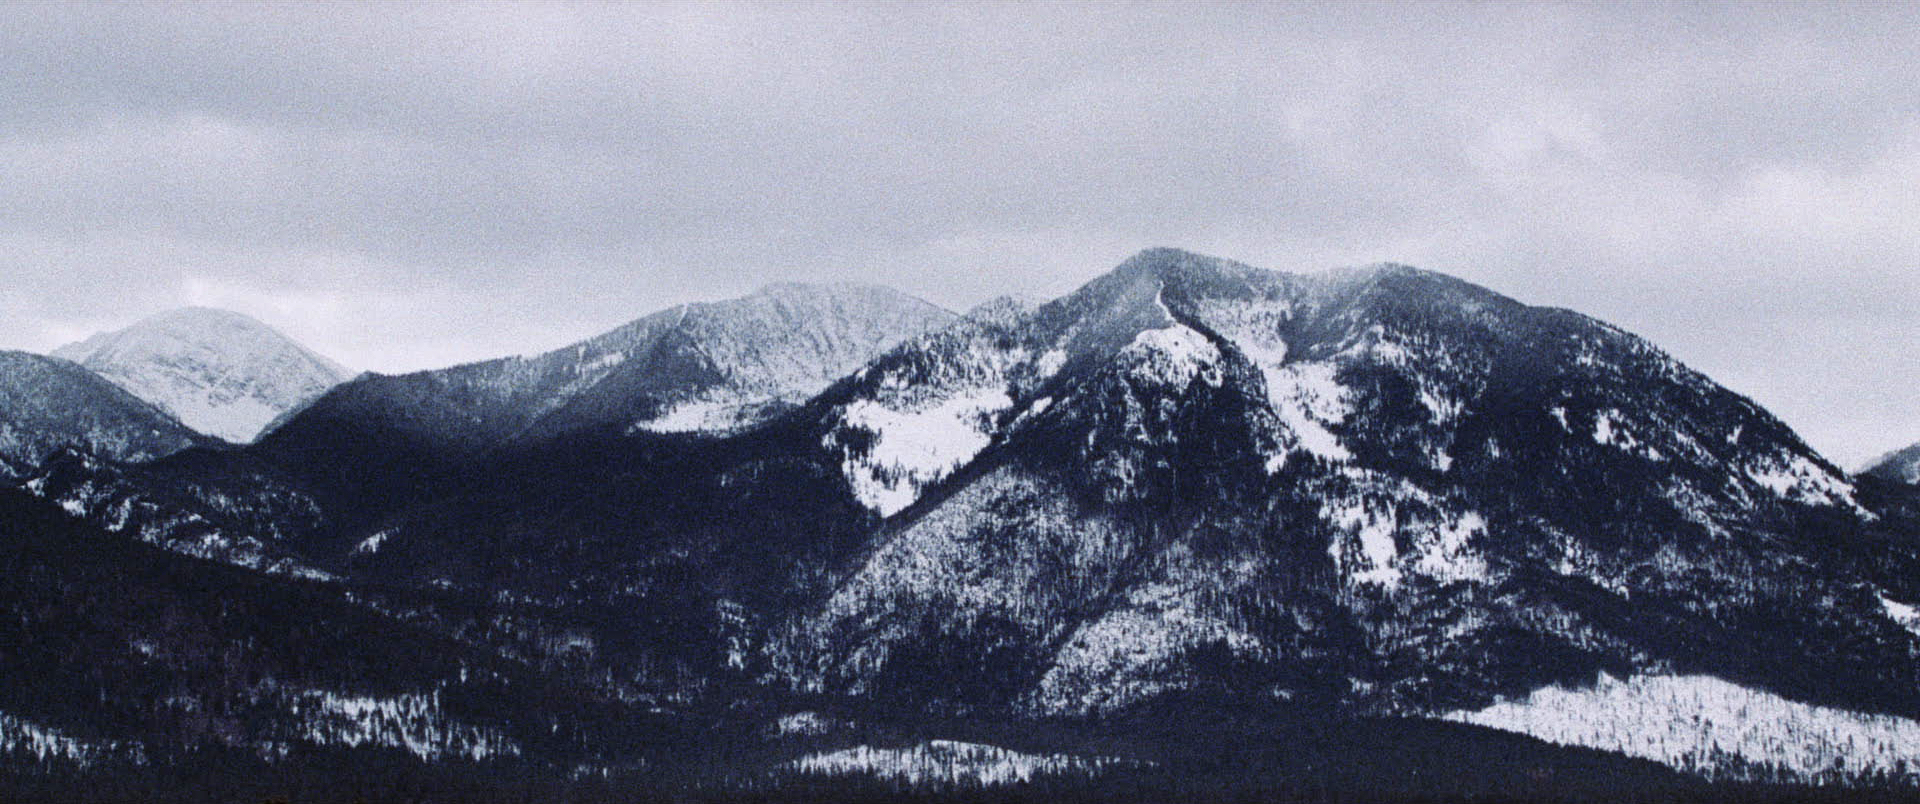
(409,186)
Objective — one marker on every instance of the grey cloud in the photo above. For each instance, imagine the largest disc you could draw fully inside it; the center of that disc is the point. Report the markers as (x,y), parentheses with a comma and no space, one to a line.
(375,179)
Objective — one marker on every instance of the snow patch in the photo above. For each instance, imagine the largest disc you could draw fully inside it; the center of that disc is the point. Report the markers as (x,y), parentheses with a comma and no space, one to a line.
(802,724)
(1050,362)
(1373,528)
(913,449)
(1443,409)
(1371,522)
(1034,410)
(1708,726)
(412,722)
(1174,356)
(1307,397)
(19,736)
(1609,429)
(1125,656)
(1449,556)
(1799,478)
(947,763)
(1907,616)
(694,416)
(371,544)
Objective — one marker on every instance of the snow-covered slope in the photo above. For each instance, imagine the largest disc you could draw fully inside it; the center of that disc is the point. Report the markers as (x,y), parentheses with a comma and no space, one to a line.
(1902,466)
(47,404)
(219,372)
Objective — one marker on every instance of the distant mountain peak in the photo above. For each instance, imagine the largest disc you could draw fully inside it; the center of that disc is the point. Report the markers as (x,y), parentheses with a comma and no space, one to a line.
(788,287)
(1003,309)
(222,373)
(819,293)
(200,313)
(1168,264)
(1900,465)
(718,365)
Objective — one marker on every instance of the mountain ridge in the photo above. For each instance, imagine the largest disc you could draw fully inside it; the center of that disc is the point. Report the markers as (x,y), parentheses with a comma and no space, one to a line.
(1902,465)
(222,373)
(706,366)
(48,404)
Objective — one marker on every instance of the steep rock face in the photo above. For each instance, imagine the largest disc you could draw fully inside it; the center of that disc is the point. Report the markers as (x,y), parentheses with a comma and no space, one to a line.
(218,372)
(1902,466)
(1380,488)
(47,404)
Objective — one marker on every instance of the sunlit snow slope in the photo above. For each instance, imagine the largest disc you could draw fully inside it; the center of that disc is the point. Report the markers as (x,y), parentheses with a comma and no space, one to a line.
(219,372)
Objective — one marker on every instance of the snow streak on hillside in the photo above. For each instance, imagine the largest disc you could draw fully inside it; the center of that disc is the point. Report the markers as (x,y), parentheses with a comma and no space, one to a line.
(22,739)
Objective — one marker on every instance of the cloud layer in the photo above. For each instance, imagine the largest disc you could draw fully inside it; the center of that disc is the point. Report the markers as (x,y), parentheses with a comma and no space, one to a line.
(411,186)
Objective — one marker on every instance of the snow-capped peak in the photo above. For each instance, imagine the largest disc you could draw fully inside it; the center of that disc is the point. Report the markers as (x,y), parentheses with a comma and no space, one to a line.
(217,371)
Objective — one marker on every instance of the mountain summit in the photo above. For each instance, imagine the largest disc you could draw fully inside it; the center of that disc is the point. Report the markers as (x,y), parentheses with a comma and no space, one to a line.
(219,372)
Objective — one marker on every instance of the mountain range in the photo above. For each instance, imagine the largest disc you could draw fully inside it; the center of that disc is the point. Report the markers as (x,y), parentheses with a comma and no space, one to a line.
(1123,537)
